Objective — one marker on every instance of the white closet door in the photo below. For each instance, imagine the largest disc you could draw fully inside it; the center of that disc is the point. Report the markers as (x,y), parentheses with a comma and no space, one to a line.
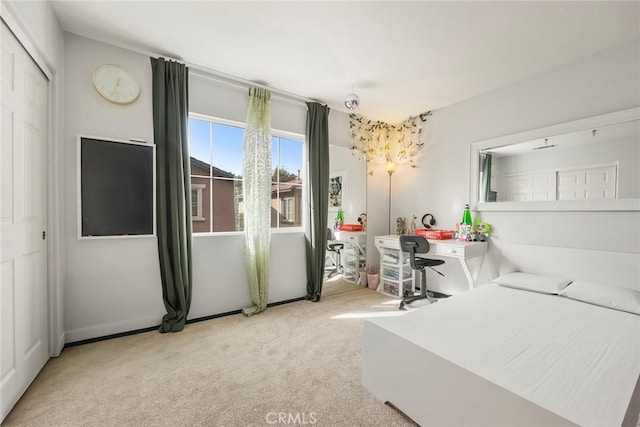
(534,186)
(23,220)
(588,183)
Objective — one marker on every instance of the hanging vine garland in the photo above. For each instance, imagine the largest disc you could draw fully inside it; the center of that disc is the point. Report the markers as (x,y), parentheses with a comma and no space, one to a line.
(373,139)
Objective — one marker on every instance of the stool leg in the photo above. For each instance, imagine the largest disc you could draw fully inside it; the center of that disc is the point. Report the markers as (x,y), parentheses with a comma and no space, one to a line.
(424,285)
(424,294)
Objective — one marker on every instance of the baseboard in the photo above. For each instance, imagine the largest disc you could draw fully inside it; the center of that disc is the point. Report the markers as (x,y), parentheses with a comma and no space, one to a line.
(96,333)
(110,329)
(59,345)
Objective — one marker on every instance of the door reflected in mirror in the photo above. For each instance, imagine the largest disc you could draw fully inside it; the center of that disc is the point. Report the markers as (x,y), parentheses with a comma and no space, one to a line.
(600,163)
(593,160)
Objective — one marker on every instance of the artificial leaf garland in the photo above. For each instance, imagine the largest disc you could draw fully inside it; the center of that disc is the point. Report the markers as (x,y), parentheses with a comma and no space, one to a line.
(374,139)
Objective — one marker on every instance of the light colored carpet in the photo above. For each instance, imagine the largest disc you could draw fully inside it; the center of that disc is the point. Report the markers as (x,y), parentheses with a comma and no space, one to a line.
(301,358)
(337,285)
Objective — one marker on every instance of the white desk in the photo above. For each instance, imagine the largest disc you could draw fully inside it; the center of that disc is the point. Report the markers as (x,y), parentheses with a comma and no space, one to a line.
(355,254)
(463,251)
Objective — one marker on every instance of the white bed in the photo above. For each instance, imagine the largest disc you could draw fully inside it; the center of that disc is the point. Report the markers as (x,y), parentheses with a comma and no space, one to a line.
(503,356)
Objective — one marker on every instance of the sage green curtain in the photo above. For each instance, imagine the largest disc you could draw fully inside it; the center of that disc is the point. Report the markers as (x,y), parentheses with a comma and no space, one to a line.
(173,188)
(317,196)
(486,177)
(256,197)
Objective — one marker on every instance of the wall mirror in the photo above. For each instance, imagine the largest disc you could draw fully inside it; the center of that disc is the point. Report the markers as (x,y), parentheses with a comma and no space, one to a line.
(352,176)
(585,165)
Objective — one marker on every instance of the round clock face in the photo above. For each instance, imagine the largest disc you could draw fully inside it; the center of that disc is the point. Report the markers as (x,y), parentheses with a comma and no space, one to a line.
(116,84)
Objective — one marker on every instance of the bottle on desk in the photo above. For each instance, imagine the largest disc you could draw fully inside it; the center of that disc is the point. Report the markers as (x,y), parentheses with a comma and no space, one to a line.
(412,229)
(339,219)
(465,225)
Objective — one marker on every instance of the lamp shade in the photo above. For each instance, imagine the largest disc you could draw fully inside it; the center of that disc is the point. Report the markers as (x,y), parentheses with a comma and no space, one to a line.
(391,166)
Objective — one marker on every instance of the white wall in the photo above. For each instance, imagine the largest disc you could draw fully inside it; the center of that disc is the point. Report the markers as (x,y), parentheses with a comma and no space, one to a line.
(210,97)
(601,83)
(339,128)
(37,28)
(114,284)
(219,271)
(37,20)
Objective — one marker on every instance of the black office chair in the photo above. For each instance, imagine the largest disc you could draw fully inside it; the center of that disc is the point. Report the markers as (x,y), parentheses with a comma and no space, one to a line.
(418,245)
(334,247)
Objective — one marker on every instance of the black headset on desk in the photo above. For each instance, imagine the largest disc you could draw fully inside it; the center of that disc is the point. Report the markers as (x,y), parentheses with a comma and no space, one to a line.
(431,220)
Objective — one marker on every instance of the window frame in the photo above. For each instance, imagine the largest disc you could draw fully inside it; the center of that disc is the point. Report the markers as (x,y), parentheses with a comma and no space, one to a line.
(287,206)
(198,188)
(274,133)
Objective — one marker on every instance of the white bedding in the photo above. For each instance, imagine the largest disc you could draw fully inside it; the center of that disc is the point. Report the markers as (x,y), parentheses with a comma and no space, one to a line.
(577,360)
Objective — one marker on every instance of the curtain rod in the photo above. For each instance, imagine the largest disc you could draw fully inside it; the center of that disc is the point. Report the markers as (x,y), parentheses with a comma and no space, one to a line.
(239,82)
(212,74)
(245,84)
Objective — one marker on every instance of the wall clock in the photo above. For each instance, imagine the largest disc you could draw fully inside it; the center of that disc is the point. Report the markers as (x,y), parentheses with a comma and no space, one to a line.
(116,84)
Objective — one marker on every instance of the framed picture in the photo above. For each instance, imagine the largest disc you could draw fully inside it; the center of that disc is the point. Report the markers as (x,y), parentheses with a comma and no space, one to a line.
(336,191)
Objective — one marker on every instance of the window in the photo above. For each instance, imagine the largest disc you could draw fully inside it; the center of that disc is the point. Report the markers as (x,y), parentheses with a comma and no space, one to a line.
(216,176)
(287,186)
(287,209)
(196,201)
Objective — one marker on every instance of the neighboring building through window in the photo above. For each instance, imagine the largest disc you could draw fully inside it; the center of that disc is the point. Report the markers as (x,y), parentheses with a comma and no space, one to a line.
(216,176)
(287,208)
(287,186)
(196,198)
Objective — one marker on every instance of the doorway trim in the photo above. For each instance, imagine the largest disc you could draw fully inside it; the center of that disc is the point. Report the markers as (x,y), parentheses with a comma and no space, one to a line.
(55,248)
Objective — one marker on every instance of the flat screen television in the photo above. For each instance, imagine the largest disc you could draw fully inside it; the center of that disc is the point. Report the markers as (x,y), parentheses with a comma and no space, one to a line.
(117,187)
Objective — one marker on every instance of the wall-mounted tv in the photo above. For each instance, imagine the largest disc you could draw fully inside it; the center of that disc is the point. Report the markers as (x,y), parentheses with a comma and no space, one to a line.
(116,187)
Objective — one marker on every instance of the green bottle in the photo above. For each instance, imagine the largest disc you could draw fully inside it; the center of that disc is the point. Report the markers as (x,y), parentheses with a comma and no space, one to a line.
(340,217)
(465,225)
(466,216)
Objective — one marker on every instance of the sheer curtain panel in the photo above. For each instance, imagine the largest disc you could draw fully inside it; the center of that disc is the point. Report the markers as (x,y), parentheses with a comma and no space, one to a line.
(256,197)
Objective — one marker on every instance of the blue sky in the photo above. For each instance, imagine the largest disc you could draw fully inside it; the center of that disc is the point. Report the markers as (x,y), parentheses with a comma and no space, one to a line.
(227,147)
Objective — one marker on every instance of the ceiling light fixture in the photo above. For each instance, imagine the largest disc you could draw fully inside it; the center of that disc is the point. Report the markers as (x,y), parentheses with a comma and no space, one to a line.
(352,101)
(545,146)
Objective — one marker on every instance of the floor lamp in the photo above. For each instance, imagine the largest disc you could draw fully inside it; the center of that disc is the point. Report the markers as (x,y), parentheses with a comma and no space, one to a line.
(391,168)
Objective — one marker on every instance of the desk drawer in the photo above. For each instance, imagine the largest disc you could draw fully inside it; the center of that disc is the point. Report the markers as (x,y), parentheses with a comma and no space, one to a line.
(394,257)
(391,288)
(388,242)
(351,237)
(393,273)
(459,249)
(448,250)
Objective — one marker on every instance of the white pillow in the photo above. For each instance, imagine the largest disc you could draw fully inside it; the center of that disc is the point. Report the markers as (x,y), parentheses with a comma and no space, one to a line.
(506,267)
(533,282)
(609,296)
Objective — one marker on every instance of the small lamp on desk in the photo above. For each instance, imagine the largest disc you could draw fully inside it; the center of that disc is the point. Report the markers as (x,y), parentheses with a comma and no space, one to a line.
(391,167)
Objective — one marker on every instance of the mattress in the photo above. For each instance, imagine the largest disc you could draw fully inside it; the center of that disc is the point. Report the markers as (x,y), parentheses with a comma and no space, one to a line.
(576,360)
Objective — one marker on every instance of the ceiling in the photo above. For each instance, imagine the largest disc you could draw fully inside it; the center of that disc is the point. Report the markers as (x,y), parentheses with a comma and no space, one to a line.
(401,58)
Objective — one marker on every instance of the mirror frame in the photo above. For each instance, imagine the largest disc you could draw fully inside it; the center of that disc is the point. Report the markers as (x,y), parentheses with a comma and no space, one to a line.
(549,131)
